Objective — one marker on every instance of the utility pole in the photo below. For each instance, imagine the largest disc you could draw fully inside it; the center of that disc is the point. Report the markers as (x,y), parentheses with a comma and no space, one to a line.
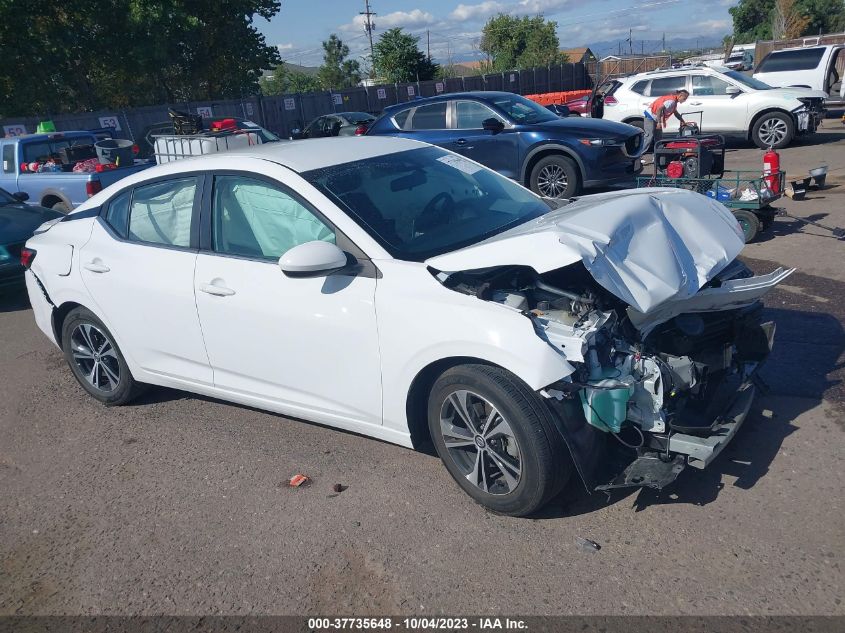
(428,43)
(368,27)
(664,42)
(631,41)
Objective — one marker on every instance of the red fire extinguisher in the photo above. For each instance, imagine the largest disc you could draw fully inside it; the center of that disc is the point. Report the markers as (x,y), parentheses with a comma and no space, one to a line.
(771,170)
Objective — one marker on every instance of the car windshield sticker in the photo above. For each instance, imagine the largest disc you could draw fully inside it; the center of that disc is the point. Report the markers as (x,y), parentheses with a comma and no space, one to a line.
(460,163)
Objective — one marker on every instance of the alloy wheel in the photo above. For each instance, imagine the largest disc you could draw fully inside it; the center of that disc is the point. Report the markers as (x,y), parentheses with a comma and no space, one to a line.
(95,357)
(773,131)
(552,181)
(481,442)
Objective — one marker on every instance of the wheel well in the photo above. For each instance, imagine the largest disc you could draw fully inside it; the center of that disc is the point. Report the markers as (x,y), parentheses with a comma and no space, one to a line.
(416,405)
(632,119)
(764,112)
(541,155)
(59,315)
(49,200)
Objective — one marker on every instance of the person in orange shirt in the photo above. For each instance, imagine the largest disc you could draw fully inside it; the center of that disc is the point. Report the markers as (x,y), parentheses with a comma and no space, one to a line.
(658,113)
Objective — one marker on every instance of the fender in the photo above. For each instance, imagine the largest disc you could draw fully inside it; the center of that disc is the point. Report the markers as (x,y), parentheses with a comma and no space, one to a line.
(543,147)
(55,193)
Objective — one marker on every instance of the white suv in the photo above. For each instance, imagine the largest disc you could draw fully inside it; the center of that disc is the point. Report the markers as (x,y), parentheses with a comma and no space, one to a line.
(728,101)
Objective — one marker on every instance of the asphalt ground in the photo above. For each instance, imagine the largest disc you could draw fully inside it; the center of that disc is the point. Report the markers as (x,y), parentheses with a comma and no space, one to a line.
(177,504)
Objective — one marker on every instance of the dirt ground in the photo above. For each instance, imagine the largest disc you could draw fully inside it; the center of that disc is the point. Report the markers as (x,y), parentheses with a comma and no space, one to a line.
(176,504)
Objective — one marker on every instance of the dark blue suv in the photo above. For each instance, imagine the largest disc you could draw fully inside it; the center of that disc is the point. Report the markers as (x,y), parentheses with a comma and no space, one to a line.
(520,139)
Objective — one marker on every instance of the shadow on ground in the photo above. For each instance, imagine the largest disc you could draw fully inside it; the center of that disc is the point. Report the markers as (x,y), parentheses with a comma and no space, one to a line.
(14,299)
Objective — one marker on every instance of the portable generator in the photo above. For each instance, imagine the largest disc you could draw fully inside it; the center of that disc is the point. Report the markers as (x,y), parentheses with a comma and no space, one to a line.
(690,155)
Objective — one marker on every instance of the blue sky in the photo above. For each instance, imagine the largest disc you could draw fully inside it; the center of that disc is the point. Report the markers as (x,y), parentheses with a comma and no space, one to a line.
(455,25)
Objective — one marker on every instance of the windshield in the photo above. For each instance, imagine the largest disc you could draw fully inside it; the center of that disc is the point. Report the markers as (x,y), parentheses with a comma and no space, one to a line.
(424,202)
(756,84)
(522,110)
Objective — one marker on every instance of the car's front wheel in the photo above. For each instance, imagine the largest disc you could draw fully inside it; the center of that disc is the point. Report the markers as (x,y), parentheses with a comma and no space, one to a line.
(555,177)
(95,360)
(774,129)
(497,440)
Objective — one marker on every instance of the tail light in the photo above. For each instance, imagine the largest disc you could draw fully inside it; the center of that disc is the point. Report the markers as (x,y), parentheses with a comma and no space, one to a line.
(610,100)
(135,149)
(360,130)
(27,257)
(92,187)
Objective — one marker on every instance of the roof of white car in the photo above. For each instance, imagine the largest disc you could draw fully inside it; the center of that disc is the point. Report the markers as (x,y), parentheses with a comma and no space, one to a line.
(306,155)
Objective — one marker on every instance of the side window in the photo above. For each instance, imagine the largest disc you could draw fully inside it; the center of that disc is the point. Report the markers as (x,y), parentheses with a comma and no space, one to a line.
(667,85)
(471,114)
(161,213)
(400,118)
(254,219)
(9,158)
(316,128)
(428,117)
(798,59)
(706,86)
(117,215)
(639,87)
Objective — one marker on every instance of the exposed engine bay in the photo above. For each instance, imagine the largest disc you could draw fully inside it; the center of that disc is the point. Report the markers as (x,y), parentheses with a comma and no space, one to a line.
(666,389)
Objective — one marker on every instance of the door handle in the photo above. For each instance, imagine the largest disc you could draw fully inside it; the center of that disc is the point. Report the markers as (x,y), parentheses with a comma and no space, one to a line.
(218,291)
(461,141)
(96,266)
(695,102)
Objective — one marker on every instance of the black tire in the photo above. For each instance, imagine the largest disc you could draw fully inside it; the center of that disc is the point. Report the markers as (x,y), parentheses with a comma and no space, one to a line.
(637,123)
(749,223)
(61,207)
(536,457)
(552,170)
(773,129)
(86,341)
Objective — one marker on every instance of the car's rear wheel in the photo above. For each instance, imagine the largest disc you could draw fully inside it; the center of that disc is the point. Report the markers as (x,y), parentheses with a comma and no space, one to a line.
(774,129)
(61,207)
(497,440)
(95,359)
(555,177)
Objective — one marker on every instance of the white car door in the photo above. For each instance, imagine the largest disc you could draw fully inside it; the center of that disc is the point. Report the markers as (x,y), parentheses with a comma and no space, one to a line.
(309,345)
(720,111)
(139,268)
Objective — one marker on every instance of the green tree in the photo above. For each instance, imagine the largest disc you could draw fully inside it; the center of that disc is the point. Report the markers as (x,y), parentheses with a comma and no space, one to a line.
(513,43)
(753,19)
(337,71)
(284,81)
(397,58)
(82,55)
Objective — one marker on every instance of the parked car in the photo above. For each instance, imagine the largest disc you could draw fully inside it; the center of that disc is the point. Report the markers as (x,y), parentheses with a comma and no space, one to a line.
(520,139)
(146,141)
(728,101)
(742,59)
(337,124)
(18,221)
(559,109)
(401,291)
(580,105)
(811,67)
(62,190)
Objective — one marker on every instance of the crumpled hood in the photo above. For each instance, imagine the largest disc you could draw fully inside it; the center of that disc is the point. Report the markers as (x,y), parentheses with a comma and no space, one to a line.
(646,246)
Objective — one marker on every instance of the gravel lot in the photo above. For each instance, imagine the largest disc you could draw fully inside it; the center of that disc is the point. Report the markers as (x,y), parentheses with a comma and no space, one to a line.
(176,505)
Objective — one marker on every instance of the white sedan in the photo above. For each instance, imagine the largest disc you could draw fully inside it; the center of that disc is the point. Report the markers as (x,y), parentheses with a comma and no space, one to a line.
(401,291)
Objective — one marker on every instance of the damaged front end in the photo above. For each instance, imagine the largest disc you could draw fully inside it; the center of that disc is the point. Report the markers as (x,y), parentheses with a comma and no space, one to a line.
(652,392)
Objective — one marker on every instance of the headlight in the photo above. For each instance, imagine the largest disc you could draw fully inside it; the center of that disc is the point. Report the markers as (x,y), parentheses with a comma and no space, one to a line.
(600,142)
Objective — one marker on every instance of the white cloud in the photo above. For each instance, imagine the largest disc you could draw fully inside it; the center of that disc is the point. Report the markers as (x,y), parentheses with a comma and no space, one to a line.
(484,10)
(401,19)
(284,47)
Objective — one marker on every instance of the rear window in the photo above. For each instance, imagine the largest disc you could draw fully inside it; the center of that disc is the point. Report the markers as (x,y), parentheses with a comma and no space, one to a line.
(401,117)
(42,151)
(639,87)
(783,61)
(429,117)
(667,85)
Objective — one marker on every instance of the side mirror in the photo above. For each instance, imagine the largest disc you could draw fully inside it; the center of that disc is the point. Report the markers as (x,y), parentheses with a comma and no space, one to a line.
(493,124)
(733,91)
(312,259)
(21,196)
